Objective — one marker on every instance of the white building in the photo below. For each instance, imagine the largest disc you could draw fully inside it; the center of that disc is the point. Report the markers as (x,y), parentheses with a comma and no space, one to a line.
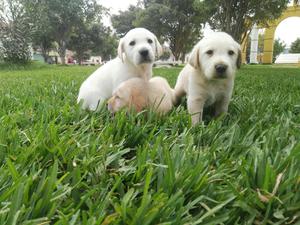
(288,58)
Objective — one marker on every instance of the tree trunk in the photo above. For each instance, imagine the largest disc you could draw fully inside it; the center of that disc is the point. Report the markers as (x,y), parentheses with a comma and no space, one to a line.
(176,51)
(176,55)
(79,58)
(62,51)
(45,54)
(45,58)
(182,57)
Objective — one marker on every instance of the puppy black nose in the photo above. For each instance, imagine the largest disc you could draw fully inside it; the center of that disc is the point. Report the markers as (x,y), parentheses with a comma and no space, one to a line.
(221,68)
(144,52)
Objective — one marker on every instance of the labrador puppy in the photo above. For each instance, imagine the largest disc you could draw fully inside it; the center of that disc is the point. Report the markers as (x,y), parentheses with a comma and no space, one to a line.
(208,78)
(136,54)
(138,94)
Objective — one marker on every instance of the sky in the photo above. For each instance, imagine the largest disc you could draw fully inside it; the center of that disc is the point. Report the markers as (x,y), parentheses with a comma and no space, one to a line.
(288,30)
(115,6)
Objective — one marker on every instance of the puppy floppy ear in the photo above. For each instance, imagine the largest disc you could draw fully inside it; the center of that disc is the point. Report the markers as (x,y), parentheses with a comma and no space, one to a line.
(158,48)
(138,101)
(121,49)
(239,59)
(194,59)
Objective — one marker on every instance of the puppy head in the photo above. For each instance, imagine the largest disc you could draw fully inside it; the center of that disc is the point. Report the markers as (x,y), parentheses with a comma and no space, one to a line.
(117,102)
(217,56)
(130,94)
(139,46)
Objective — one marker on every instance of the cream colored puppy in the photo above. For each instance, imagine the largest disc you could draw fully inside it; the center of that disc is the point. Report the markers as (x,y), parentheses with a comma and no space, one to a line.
(208,79)
(138,94)
(136,54)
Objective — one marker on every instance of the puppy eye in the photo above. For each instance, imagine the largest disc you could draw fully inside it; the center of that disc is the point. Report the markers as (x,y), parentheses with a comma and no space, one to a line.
(210,52)
(132,43)
(150,41)
(230,52)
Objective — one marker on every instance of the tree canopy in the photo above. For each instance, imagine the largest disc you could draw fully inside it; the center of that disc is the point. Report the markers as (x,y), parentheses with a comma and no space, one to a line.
(180,22)
(68,16)
(177,22)
(295,46)
(278,48)
(75,24)
(124,21)
(237,17)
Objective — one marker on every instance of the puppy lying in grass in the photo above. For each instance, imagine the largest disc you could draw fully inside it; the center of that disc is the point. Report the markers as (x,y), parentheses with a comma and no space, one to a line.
(138,94)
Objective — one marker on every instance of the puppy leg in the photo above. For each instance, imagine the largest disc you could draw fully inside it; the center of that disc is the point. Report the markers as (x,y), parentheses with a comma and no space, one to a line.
(181,87)
(178,94)
(90,100)
(195,108)
(221,106)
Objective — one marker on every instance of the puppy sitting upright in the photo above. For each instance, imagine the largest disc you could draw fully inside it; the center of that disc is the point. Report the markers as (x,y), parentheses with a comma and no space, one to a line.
(208,79)
(136,54)
(139,94)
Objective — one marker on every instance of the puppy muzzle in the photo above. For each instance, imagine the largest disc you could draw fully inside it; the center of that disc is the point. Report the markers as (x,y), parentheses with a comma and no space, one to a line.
(221,71)
(110,105)
(145,56)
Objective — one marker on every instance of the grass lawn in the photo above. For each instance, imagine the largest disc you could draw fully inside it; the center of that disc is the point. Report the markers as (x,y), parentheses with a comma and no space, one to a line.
(60,165)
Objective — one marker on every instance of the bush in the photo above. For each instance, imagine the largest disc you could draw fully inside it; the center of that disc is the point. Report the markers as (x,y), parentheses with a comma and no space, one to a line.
(16,50)
(15,33)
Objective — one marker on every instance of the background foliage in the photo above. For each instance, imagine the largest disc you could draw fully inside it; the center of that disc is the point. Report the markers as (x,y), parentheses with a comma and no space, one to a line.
(54,25)
(237,17)
(180,22)
(15,32)
(295,46)
(77,24)
(278,48)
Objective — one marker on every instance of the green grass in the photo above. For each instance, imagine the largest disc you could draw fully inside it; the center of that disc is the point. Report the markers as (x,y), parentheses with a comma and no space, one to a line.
(60,165)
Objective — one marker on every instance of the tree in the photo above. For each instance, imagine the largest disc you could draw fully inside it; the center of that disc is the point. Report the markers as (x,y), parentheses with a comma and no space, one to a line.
(75,15)
(175,21)
(80,43)
(74,25)
(55,20)
(278,48)
(105,42)
(63,16)
(124,21)
(82,39)
(295,46)
(42,36)
(93,40)
(15,32)
(237,17)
